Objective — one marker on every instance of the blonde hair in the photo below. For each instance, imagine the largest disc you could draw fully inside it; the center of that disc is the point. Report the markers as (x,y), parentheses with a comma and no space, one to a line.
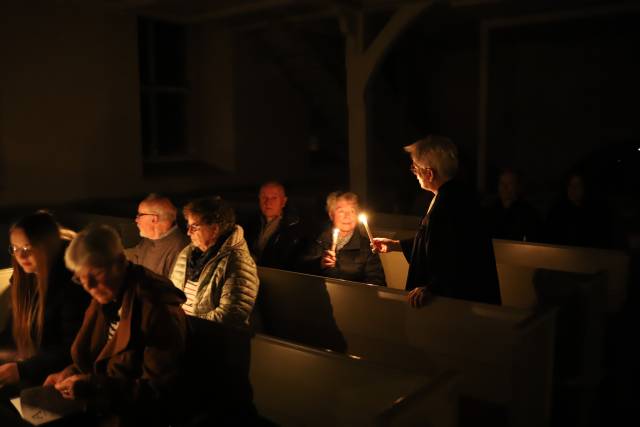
(333,198)
(439,152)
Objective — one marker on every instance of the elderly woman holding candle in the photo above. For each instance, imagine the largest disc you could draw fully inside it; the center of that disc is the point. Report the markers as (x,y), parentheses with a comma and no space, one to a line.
(342,250)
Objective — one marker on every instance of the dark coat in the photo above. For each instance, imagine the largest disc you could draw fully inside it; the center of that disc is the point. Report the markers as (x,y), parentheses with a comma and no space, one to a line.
(586,226)
(284,247)
(64,308)
(452,253)
(520,221)
(354,261)
(143,362)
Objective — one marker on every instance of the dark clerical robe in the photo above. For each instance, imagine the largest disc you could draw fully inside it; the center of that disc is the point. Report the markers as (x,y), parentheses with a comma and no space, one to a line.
(452,253)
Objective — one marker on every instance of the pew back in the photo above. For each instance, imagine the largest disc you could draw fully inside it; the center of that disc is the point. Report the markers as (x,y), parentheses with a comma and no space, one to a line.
(396,269)
(517,263)
(126,227)
(5,274)
(296,385)
(505,355)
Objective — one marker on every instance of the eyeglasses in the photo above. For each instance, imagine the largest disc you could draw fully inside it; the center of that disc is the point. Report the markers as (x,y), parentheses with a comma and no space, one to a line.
(91,277)
(141,214)
(24,251)
(418,169)
(193,227)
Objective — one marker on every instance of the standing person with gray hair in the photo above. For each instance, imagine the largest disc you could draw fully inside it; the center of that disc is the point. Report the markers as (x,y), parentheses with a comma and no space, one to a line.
(128,354)
(452,253)
(216,271)
(162,240)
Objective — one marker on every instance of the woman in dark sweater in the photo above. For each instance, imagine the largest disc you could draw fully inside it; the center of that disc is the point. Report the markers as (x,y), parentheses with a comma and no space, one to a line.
(351,258)
(46,306)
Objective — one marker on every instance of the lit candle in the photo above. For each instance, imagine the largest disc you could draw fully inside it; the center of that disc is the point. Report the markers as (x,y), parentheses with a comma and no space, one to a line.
(334,242)
(363,219)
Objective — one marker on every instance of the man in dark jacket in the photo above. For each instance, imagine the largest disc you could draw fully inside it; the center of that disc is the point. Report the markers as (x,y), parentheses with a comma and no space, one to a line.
(452,253)
(274,235)
(510,216)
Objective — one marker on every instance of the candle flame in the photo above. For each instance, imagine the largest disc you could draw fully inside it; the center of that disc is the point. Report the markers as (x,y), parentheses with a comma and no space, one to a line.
(362,218)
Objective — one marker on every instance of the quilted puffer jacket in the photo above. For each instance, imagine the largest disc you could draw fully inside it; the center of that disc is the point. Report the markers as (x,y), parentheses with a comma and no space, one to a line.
(228,284)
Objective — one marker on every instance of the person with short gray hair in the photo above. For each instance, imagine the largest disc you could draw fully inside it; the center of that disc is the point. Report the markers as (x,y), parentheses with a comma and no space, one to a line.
(162,240)
(342,250)
(128,354)
(452,253)
(438,152)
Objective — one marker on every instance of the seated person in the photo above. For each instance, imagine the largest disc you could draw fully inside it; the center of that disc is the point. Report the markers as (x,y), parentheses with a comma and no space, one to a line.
(46,307)
(216,270)
(509,216)
(162,240)
(578,218)
(128,354)
(274,236)
(352,258)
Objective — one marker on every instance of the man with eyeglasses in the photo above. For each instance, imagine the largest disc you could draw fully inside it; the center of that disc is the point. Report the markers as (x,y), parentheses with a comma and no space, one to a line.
(162,240)
(452,253)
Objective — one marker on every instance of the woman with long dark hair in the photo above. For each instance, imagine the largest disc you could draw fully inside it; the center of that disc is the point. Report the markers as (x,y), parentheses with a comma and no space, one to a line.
(46,306)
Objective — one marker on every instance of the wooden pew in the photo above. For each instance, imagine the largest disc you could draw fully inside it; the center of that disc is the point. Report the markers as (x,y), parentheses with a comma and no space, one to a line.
(532,274)
(504,355)
(517,261)
(232,372)
(589,286)
(295,385)
(126,227)
(5,274)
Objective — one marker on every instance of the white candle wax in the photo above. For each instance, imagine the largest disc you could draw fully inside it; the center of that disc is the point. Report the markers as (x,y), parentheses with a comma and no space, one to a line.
(334,241)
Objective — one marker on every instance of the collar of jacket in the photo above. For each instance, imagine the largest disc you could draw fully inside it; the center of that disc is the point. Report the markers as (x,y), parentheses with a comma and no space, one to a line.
(231,243)
(288,220)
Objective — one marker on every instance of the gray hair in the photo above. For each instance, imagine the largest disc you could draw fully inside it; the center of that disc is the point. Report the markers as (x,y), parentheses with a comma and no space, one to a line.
(95,246)
(439,152)
(161,206)
(333,198)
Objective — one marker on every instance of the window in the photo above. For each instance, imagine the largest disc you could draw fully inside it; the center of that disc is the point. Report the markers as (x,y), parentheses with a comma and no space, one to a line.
(162,50)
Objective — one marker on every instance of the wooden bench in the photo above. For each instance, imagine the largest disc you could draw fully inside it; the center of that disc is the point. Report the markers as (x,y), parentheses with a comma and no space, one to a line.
(5,274)
(295,385)
(504,355)
(518,261)
(126,227)
(232,372)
